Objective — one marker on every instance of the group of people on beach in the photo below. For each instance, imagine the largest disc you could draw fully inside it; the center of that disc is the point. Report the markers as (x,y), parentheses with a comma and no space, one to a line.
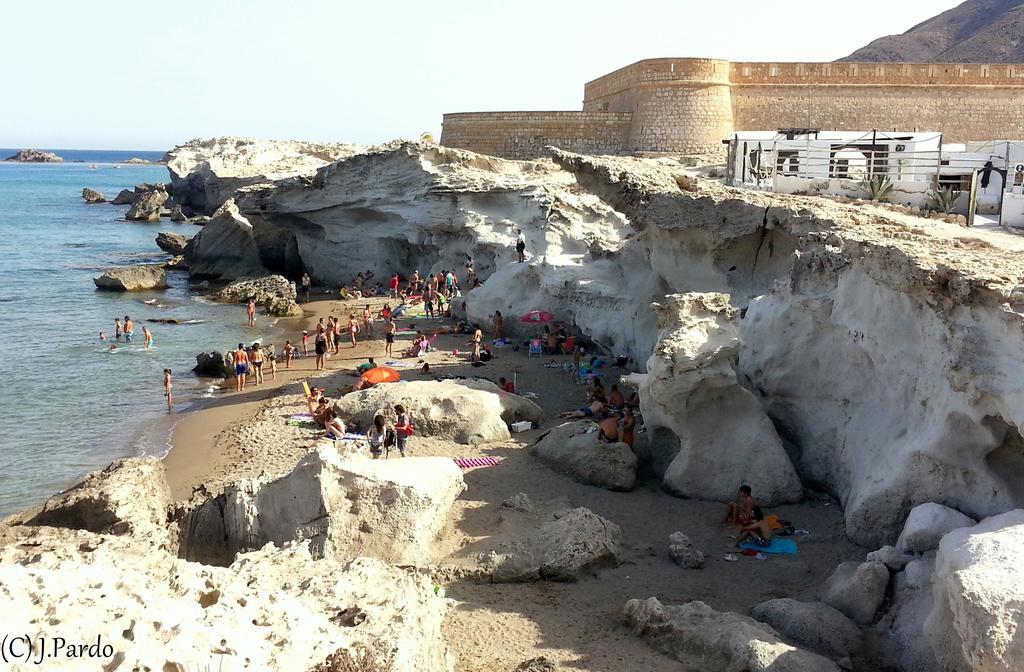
(126,329)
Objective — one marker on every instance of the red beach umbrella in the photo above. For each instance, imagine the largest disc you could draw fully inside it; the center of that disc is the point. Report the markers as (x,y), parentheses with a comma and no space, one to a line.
(537,316)
(381,374)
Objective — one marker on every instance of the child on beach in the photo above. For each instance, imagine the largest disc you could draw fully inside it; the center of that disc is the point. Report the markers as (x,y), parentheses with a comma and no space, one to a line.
(403,429)
(305,343)
(368,321)
(289,350)
(167,389)
(741,512)
(378,436)
(353,328)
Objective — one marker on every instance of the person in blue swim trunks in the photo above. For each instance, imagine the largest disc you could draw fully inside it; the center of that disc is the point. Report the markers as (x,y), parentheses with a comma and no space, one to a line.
(241,360)
(760,531)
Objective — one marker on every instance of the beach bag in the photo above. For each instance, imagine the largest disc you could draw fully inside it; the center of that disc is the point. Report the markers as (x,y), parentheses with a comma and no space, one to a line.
(406,431)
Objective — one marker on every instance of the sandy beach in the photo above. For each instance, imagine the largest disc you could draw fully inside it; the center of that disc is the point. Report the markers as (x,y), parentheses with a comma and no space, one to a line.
(494,627)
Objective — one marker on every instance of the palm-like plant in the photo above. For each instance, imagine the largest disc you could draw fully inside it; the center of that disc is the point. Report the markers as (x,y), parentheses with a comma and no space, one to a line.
(878,187)
(943,198)
(427,137)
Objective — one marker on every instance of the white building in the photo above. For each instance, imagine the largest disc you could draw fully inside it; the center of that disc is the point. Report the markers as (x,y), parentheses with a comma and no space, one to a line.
(807,161)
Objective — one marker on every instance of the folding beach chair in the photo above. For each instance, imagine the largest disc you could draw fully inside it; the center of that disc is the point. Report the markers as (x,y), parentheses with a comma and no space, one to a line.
(535,348)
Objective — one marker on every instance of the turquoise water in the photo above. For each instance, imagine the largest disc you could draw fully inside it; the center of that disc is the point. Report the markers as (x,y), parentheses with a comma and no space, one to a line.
(66,405)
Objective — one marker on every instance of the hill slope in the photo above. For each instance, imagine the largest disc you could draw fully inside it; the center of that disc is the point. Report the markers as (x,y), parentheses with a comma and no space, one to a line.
(976,31)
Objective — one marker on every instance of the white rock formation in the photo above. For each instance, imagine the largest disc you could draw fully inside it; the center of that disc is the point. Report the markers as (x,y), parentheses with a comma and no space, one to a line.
(274,292)
(890,557)
(901,629)
(465,411)
(547,540)
(273,609)
(812,625)
(927,524)
(683,552)
(108,502)
(225,248)
(712,641)
(343,506)
(205,173)
(857,589)
(977,622)
(133,278)
(711,433)
(572,449)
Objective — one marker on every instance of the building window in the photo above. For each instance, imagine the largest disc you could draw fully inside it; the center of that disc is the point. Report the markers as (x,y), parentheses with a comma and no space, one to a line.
(746,71)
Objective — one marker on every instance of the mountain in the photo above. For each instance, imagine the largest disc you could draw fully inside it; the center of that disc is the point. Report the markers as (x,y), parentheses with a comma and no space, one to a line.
(976,31)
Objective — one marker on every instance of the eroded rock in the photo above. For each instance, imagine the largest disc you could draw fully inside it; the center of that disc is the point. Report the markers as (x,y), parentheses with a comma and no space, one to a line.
(812,625)
(226,247)
(124,197)
(93,196)
(574,450)
(857,589)
(146,206)
(172,243)
(927,524)
(133,278)
(711,641)
(275,293)
(683,552)
(34,156)
(464,411)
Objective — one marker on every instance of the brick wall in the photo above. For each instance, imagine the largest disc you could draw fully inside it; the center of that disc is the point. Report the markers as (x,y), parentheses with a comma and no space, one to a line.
(524,135)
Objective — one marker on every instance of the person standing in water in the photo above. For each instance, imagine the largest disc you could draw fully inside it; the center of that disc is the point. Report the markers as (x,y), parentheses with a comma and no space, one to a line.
(117,329)
(147,336)
(241,360)
(129,329)
(168,388)
(306,284)
(521,246)
(251,309)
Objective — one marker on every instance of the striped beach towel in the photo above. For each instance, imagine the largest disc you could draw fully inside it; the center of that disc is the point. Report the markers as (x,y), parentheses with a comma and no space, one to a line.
(474,462)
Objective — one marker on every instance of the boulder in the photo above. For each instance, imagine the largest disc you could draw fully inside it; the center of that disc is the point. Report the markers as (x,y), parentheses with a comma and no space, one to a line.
(344,506)
(927,524)
(573,448)
(812,625)
(34,156)
(690,386)
(890,557)
(273,610)
(683,552)
(977,621)
(214,365)
(131,496)
(558,545)
(901,629)
(133,278)
(146,206)
(136,161)
(857,590)
(274,292)
(124,197)
(226,247)
(172,243)
(177,214)
(538,664)
(711,641)
(464,411)
(93,196)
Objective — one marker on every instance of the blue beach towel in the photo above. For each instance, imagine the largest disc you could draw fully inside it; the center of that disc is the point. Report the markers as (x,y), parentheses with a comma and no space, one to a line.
(778,546)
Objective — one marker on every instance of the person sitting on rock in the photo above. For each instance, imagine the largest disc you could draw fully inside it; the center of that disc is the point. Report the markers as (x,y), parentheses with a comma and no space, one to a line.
(616,399)
(608,428)
(759,531)
(741,512)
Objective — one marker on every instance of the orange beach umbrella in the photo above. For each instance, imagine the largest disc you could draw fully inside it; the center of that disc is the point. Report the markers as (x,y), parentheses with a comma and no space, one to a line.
(381,374)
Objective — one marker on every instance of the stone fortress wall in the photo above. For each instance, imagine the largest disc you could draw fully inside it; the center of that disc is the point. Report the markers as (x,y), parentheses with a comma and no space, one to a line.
(689,105)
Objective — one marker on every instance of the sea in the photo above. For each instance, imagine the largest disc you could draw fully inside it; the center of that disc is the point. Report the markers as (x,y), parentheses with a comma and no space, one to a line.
(68,405)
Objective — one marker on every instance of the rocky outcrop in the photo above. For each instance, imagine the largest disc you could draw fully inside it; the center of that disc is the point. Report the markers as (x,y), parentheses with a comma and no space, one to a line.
(464,411)
(927,524)
(225,248)
(274,292)
(548,541)
(573,448)
(147,206)
(690,386)
(857,589)
(34,156)
(108,502)
(811,625)
(124,197)
(214,365)
(93,196)
(683,552)
(172,243)
(977,620)
(206,173)
(901,628)
(343,506)
(712,641)
(178,214)
(274,610)
(136,161)
(133,278)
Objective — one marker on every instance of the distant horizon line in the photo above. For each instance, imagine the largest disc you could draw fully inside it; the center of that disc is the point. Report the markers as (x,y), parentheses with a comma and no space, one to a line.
(81,149)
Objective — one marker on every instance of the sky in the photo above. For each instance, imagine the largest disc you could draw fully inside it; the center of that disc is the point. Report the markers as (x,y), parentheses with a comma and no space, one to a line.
(147,75)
